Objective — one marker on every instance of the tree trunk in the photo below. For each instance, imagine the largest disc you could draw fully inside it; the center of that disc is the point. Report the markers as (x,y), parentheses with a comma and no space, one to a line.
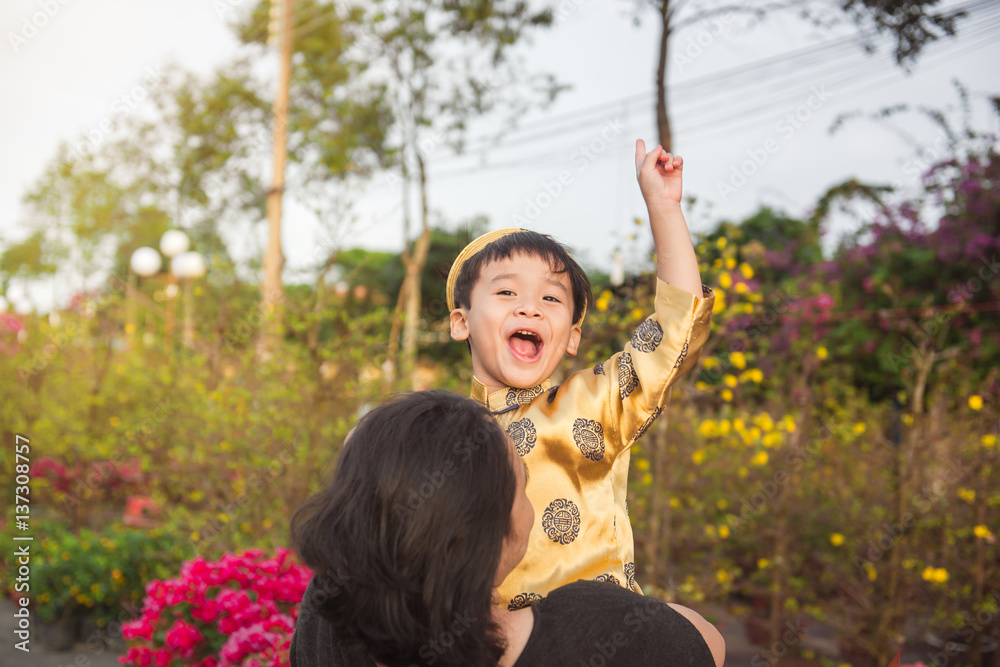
(413,273)
(662,117)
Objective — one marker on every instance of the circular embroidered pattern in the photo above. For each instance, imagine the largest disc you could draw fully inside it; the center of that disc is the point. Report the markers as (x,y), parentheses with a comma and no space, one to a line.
(627,379)
(630,575)
(599,368)
(521,396)
(610,578)
(589,437)
(522,600)
(646,424)
(561,521)
(523,433)
(647,336)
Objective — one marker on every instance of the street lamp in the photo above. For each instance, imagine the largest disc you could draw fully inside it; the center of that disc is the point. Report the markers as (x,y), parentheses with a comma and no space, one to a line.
(144,262)
(187,266)
(173,242)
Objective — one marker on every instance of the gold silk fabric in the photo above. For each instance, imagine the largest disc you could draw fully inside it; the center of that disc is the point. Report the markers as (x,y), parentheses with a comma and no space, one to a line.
(575,439)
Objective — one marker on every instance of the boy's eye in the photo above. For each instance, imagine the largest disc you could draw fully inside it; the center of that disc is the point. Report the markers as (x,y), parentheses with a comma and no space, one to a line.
(552,298)
(506,292)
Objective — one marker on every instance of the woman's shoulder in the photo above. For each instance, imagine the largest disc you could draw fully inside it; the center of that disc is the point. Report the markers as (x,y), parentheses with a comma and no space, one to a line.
(578,620)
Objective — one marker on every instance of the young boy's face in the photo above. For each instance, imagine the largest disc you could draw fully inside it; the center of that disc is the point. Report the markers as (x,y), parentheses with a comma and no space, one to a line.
(519,323)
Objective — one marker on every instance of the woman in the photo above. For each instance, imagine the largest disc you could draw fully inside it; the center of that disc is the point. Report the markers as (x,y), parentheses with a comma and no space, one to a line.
(425,516)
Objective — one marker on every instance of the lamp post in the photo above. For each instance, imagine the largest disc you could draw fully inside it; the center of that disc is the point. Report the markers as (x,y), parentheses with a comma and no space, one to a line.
(144,262)
(187,266)
(172,243)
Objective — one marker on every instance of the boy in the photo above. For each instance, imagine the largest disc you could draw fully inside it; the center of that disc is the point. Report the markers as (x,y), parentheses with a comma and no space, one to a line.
(519,300)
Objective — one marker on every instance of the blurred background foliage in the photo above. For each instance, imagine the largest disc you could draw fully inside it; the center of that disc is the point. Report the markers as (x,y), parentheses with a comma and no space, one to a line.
(832,457)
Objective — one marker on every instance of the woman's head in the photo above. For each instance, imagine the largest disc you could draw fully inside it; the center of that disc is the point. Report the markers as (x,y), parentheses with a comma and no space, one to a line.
(415,529)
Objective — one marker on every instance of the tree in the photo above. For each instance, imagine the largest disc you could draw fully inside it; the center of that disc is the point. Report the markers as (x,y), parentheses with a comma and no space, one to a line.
(912,24)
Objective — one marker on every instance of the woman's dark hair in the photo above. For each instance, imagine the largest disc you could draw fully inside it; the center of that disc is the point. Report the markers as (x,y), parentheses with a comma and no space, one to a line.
(529,243)
(406,540)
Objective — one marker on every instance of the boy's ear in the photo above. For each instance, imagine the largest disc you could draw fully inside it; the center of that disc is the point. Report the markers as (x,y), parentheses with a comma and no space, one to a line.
(459,324)
(574,340)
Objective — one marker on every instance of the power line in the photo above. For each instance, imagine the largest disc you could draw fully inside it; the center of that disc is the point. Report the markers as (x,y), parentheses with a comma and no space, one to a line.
(822,53)
(756,108)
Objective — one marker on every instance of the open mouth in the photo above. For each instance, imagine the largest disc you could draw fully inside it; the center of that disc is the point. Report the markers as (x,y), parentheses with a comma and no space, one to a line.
(526,345)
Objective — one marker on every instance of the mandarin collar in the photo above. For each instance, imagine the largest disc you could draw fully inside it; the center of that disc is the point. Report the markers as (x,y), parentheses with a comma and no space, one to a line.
(507,398)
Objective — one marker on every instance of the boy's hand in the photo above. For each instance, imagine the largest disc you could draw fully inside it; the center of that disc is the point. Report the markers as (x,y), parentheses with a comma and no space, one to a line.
(659,176)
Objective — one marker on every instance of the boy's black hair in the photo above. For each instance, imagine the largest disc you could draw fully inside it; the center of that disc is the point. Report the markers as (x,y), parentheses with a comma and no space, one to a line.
(526,243)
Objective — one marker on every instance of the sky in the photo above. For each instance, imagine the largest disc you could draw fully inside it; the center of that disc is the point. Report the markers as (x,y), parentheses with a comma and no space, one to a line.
(752,108)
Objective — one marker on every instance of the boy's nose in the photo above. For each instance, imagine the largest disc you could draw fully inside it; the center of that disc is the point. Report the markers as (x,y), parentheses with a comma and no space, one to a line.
(529,310)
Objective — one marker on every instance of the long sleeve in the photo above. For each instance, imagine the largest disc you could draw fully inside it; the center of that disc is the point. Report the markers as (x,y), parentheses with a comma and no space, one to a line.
(662,349)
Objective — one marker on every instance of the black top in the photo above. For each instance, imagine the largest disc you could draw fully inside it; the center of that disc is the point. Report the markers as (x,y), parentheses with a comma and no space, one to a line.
(586,622)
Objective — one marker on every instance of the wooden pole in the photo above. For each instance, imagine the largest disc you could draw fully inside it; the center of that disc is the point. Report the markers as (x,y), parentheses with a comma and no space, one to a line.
(272,293)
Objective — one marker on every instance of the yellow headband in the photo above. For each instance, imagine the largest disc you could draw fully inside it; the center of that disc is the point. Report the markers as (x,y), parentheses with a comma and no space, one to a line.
(470,250)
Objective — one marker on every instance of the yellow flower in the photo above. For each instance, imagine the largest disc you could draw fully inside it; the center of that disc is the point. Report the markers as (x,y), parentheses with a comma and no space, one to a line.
(701,386)
(821,352)
(988,440)
(647,479)
(747,307)
(717,264)
(710,530)
(727,395)
(725,280)
(730,380)
(637,314)
(675,502)
(710,362)
(245,527)
(720,242)
(755,433)
(872,572)
(741,288)
(604,300)
(738,425)
(981,532)
(738,359)
(708,428)
(722,576)
(720,303)
(730,263)
(976,402)
(836,539)
(908,419)
(765,421)
(266,523)
(724,532)
(746,270)
(65,555)
(759,459)
(742,472)
(789,423)
(698,456)
(722,503)
(859,428)
(115,422)
(756,375)
(642,464)
(196,495)
(195,536)
(116,574)
(968,495)
(772,440)
(724,427)
(763,563)
(937,575)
